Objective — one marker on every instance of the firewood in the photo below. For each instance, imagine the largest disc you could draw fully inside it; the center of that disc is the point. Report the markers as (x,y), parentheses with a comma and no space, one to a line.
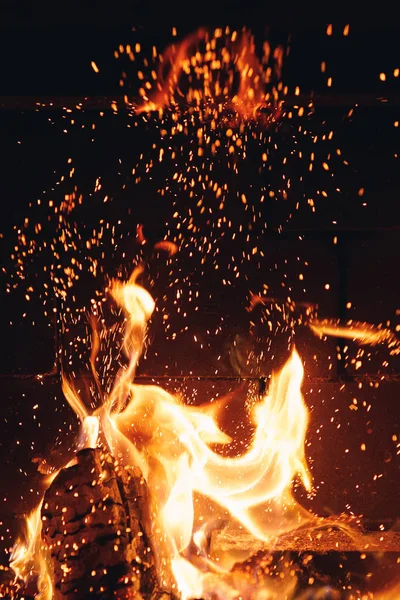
(96,524)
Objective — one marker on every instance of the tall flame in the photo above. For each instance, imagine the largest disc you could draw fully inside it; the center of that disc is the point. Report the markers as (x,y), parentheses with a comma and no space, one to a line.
(29,556)
(253,488)
(180,450)
(171,443)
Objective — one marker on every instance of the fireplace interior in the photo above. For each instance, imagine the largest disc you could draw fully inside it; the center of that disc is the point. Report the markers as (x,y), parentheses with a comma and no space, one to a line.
(296,248)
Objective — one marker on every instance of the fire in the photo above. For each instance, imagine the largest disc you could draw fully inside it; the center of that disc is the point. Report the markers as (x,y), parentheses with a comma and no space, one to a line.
(173,444)
(194,486)
(216,69)
(29,556)
(359,332)
(222,82)
(178,462)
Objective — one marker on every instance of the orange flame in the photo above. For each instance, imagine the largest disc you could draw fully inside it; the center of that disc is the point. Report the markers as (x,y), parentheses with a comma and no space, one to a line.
(212,69)
(30,557)
(171,443)
(363,333)
(191,482)
(167,246)
(393,593)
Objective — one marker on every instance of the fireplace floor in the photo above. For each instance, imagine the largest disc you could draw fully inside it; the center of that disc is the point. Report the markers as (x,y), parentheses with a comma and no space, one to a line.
(328,566)
(328,563)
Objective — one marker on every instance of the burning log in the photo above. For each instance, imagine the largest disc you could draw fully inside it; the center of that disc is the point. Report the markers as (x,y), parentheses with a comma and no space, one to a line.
(94,528)
(96,524)
(318,540)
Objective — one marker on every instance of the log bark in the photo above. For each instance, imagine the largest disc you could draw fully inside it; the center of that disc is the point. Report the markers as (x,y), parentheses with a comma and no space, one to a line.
(96,524)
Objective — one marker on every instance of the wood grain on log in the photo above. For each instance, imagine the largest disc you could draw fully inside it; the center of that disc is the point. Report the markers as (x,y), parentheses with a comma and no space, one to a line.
(96,524)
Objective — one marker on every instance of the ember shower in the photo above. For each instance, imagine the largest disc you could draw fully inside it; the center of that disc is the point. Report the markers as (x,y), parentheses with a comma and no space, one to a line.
(226,153)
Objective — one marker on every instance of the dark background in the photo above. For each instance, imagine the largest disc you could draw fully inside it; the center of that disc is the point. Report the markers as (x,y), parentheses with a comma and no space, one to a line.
(45,57)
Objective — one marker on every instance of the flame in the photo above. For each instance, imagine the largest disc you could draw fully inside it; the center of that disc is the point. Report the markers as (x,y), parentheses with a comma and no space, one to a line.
(189,479)
(194,485)
(393,593)
(362,333)
(172,444)
(138,306)
(167,246)
(90,432)
(210,68)
(29,556)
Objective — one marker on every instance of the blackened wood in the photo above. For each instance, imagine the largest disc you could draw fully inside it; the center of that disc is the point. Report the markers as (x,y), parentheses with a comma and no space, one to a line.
(96,523)
(317,541)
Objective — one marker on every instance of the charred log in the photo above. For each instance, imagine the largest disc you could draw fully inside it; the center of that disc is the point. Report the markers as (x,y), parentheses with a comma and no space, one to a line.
(96,525)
